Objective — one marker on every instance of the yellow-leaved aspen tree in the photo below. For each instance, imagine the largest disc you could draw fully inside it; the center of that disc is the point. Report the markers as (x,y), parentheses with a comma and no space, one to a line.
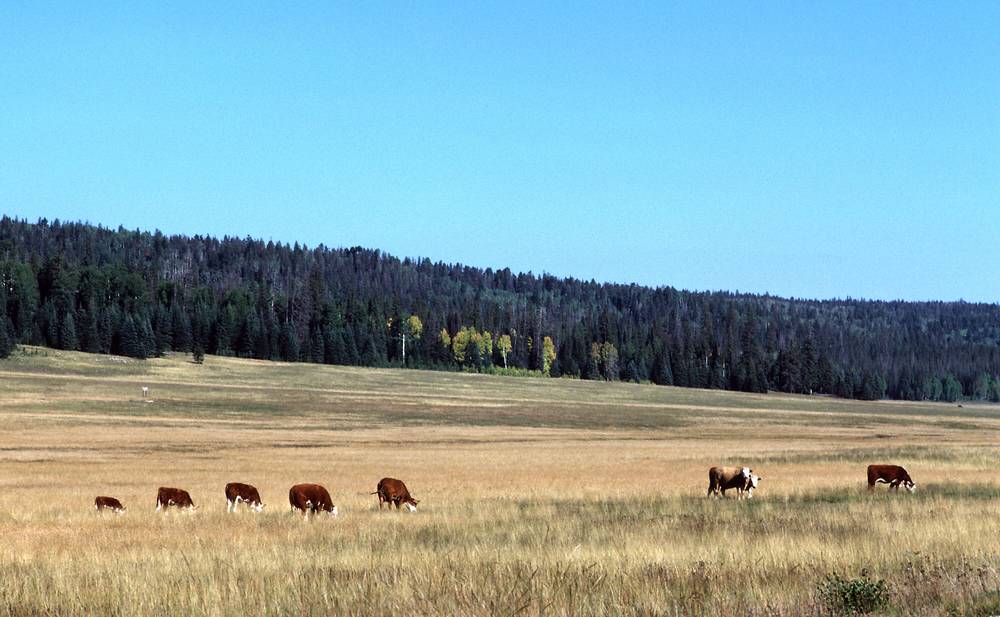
(487,349)
(445,339)
(548,354)
(412,328)
(503,344)
(458,344)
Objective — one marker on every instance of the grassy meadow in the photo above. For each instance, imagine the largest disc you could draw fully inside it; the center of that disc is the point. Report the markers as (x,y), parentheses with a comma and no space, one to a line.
(538,497)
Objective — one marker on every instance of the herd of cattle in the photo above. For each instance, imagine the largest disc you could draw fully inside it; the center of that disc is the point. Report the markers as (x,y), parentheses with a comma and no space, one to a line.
(315,498)
(303,497)
(744,480)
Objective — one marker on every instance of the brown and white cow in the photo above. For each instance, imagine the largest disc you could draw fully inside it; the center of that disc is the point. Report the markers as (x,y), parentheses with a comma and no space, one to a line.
(178,497)
(394,492)
(237,492)
(893,475)
(721,479)
(108,503)
(311,498)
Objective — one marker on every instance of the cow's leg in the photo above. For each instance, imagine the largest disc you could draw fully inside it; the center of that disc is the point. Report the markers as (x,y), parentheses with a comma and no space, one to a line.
(229,505)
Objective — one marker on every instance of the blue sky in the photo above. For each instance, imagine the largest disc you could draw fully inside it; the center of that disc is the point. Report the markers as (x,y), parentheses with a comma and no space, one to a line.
(802,149)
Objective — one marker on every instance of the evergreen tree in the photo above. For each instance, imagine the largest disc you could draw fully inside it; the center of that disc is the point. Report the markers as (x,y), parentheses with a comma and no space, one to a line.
(180,327)
(131,339)
(67,333)
(90,339)
(661,374)
(6,341)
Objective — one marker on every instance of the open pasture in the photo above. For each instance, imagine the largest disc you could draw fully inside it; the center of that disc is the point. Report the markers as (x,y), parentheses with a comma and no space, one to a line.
(538,497)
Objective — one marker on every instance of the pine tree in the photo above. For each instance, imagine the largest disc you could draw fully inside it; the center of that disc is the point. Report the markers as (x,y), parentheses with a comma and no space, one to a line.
(131,339)
(6,342)
(180,327)
(661,374)
(67,333)
(90,339)
(289,343)
(146,337)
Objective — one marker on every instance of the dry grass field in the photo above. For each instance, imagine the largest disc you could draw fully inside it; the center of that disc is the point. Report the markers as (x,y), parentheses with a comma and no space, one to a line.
(538,497)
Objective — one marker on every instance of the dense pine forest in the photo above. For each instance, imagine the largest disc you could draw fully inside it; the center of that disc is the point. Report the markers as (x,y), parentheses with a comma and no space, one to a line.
(140,294)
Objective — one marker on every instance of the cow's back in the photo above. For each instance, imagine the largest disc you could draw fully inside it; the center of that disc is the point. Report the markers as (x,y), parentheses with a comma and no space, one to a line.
(110,503)
(301,495)
(173,496)
(886,473)
(728,477)
(244,491)
(391,488)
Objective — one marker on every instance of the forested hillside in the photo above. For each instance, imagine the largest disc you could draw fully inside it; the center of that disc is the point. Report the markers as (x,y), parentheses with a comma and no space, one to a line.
(78,286)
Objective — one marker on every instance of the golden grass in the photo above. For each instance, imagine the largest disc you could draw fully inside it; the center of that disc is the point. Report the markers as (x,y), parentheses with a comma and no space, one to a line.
(538,497)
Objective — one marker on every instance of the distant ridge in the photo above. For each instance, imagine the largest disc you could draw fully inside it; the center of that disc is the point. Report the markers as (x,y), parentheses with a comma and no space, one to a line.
(80,286)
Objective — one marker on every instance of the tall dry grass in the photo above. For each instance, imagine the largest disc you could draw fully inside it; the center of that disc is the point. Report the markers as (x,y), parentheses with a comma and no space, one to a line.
(547,498)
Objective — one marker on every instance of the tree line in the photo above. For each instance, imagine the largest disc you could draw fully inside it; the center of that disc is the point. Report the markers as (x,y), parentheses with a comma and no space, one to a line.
(140,294)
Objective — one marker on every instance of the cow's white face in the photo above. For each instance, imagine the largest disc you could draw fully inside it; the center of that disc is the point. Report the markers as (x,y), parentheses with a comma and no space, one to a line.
(910,486)
(258,507)
(754,479)
(333,511)
(410,507)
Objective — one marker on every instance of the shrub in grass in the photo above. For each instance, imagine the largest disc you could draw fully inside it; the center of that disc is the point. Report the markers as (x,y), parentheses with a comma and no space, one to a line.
(853,596)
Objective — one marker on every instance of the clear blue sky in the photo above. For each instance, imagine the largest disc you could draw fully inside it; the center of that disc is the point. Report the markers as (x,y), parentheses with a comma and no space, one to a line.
(802,148)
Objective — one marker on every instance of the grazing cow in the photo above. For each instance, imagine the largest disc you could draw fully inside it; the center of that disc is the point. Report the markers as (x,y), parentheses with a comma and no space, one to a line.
(109,503)
(166,497)
(311,498)
(721,479)
(893,475)
(393,491)
(237,492)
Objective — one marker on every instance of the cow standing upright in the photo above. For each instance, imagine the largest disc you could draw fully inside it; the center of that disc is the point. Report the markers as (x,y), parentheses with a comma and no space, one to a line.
(394,492)
(893,475)
(177,497)
(108,503)
(721,479)
(311,498)
(237,492)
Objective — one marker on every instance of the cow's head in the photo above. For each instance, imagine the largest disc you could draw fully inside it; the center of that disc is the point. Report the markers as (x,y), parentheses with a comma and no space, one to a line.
(332,511)
(258,507)
(910,485)
(411,505)
(753,480)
